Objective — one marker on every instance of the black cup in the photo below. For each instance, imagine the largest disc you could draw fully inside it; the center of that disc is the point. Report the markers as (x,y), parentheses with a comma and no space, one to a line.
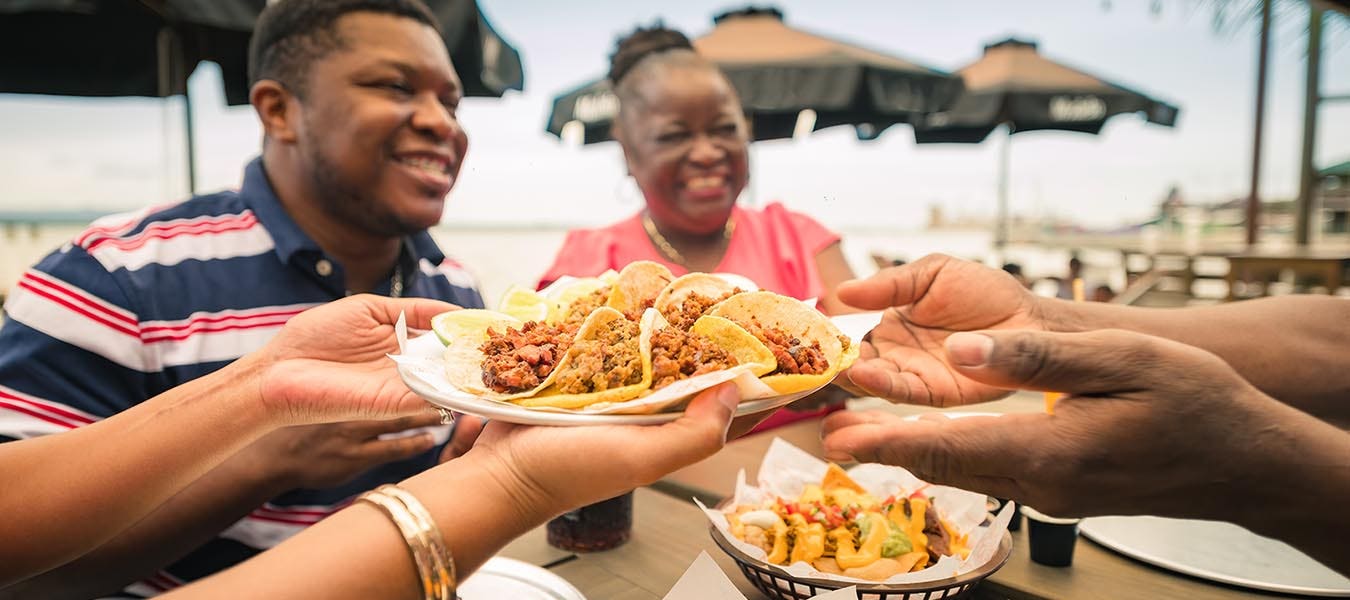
(1052,539)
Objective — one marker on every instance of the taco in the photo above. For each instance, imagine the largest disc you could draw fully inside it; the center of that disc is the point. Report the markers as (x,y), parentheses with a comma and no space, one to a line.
(690,296)
(710,344)
(497,356)
(572,302)
(809,349)
(636,288)
(607,361)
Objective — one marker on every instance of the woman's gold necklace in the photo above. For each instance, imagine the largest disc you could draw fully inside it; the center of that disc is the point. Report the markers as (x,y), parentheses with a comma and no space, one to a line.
(667,249)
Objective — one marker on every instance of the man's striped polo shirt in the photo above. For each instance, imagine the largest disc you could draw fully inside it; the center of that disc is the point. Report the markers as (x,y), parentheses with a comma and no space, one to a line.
(140,303)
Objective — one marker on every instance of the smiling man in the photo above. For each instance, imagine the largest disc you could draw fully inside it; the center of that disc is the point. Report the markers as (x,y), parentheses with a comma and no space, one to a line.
(357,100)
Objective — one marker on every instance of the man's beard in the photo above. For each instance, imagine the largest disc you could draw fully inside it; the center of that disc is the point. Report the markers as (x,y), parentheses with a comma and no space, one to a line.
(340,201)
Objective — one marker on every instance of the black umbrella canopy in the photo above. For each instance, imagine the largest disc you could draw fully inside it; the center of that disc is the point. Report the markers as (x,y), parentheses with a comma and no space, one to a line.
(779,71)
(1014,84)
(150,47)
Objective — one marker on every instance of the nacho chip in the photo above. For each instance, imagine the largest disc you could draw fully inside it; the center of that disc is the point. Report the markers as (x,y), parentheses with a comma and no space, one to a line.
(836,477)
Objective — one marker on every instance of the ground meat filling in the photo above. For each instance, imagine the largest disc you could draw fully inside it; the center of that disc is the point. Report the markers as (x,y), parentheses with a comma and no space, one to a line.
(692,307)
(516,360)
(609,359)
(679,354)
(583,307)
(794,355)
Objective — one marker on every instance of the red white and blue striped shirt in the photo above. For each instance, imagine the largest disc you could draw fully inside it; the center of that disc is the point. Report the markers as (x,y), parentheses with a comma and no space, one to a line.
(143,302)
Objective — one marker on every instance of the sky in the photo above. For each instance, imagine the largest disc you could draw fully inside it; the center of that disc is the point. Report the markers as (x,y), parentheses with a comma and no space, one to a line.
(119,154)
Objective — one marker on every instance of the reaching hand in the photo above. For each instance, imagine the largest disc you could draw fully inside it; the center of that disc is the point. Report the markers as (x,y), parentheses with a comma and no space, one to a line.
(1152,427)
(926,301)
(329,363)
(331,454)
(553,469)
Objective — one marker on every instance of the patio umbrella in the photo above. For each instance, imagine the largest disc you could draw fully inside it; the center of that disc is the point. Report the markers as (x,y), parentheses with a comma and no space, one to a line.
(780,71)
(1015,86)
(150,48)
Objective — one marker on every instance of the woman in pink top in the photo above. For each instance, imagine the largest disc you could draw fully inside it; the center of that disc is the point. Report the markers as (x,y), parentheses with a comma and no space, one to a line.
(685,140)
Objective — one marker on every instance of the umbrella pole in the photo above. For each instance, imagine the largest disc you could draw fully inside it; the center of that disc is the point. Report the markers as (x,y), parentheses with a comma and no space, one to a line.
(191,145)
(1307,184)
(1254,197)
(170,72)
(1001,218)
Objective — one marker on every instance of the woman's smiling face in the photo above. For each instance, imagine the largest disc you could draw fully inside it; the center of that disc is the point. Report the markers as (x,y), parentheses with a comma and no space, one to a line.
(686,143)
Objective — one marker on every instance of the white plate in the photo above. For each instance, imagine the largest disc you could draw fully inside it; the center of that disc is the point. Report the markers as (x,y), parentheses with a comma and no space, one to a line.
(420,366)
(503,577)
(511,413)
(1216,551)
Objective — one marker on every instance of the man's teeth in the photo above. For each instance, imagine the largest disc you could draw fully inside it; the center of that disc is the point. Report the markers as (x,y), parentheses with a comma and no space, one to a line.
(425,164)
(703,183)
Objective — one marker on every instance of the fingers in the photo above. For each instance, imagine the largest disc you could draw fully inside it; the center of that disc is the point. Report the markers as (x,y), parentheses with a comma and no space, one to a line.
(418,311)
(378,451)
(986,454)
(467,428)
(1095,362)
(896,286)
(882,379)
(849,418)
(368,429)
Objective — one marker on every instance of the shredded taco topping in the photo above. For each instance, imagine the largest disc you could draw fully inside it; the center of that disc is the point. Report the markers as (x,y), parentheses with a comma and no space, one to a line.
(794,355)
(678,354)
(609,358)
(516,360)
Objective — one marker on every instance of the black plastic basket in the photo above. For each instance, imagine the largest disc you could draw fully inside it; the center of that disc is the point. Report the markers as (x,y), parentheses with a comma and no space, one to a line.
(777,584)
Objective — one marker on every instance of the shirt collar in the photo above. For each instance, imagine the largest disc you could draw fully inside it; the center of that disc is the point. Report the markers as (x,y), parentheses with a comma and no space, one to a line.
(289,239)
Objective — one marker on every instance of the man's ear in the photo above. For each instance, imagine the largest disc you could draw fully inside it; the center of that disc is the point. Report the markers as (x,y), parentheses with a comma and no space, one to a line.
(276,107)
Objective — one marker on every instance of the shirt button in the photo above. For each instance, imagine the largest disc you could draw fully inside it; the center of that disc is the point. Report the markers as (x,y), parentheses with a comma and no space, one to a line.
(323,268)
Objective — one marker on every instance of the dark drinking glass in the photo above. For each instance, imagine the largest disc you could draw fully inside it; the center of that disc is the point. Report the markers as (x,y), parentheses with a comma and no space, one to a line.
(600,526)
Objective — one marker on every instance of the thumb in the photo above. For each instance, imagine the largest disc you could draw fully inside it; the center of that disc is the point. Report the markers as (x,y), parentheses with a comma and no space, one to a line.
(896,286)
(418,311)
(702,430)
(1094,362)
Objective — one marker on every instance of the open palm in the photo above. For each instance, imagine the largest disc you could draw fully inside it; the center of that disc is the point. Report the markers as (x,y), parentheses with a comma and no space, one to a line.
(903,358)
(330,363)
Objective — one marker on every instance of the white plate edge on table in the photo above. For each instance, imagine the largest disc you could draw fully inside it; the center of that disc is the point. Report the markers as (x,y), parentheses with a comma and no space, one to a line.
(499,569)
(1102,530)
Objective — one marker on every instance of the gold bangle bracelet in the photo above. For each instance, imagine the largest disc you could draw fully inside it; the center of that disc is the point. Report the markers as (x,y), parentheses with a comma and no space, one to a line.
(418,534)
(445,560)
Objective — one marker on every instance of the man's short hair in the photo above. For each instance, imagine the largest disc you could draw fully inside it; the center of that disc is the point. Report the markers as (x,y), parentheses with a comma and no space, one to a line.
(291,34)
